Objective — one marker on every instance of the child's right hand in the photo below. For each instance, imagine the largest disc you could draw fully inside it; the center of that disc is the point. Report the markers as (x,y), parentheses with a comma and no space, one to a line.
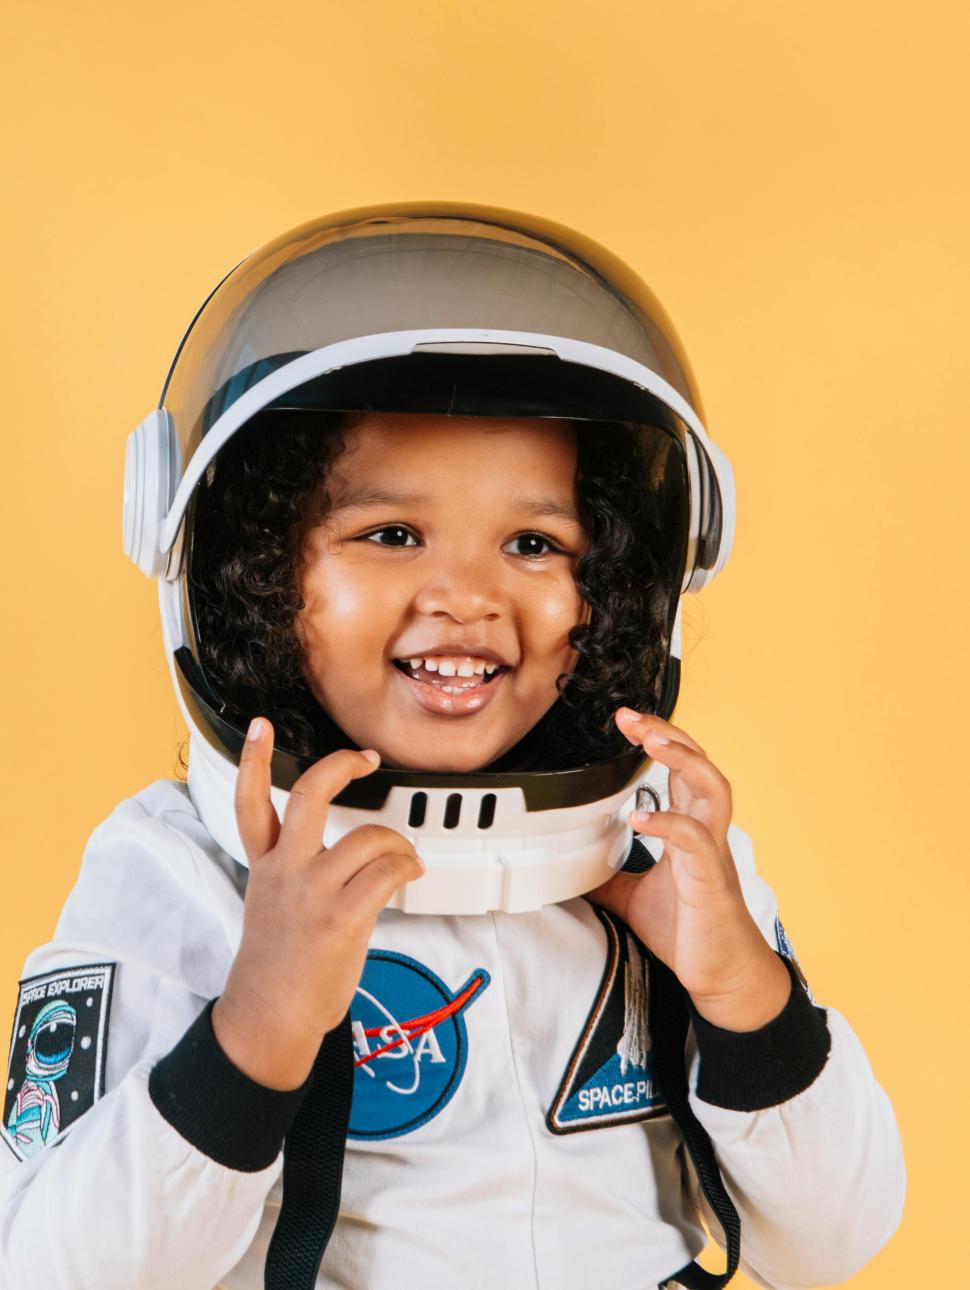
(308,915)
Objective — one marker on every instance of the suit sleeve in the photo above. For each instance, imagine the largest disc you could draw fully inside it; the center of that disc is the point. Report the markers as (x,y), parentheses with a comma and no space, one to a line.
(158,1175)
(160,1184)
(805,1136)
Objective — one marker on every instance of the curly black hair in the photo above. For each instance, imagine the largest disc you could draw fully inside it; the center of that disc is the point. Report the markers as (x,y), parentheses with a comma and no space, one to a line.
(267,488)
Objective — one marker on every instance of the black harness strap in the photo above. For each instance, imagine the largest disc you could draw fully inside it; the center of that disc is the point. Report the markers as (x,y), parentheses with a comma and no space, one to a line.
(668,1026)
(313,1153)
(313,1162)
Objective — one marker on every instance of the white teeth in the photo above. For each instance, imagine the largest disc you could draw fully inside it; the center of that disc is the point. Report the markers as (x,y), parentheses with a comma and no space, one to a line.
(448,667)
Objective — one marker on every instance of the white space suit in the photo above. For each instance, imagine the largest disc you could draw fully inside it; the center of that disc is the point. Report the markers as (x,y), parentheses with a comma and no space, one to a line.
(505,1128)
(518,1115)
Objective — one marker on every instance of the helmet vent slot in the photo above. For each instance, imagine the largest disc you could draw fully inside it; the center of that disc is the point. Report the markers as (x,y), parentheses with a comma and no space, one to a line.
(419,805)
(452,810)
(486,812)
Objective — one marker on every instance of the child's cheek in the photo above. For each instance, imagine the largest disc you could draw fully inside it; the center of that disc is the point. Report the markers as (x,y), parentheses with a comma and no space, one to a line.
(556,609)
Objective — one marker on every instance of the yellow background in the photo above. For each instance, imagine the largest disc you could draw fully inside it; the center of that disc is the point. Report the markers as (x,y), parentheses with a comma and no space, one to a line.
(790,178)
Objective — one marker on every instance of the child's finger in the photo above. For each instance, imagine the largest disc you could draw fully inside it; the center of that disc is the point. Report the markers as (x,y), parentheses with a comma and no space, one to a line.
(259,825)
(705,782)
(358,848)
(373,885)
(700,856)
(635,726)
(310,797)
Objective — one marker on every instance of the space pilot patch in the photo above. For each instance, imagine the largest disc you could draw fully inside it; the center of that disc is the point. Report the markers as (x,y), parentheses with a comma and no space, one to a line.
(410,1043)
(57,1054)
(784,947)
(609,1078)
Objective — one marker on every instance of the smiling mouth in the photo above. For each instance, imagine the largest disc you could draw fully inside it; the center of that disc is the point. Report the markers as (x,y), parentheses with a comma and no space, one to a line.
(450,696)
(448,684)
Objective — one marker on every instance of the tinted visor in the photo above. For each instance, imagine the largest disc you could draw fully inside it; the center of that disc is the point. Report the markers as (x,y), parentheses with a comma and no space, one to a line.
(410,267)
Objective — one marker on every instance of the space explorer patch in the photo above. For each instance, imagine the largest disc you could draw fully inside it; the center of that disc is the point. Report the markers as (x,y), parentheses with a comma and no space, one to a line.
(609,1078)
(785,947)
(410,1044)
(57,1053)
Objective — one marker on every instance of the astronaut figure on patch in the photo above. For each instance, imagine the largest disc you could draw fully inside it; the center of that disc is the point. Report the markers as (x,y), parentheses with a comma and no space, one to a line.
(448,962)
(35,1118)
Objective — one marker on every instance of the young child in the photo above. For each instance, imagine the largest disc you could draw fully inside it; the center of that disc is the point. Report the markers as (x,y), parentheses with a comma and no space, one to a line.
(387,995)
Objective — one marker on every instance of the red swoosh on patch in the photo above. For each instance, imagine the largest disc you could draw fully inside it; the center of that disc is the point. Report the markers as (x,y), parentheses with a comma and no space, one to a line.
(420,1025)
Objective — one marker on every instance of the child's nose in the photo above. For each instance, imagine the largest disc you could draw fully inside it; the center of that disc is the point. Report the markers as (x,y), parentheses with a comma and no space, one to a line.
(464,587)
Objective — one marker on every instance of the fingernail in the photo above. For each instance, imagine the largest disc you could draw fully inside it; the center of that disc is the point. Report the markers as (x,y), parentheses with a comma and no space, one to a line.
(626,713)
(256,728)
(643,821)
(656,737)
(372,755)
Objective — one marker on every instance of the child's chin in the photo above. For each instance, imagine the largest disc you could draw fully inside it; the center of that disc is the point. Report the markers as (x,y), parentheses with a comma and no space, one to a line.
(451,767)
(444,761)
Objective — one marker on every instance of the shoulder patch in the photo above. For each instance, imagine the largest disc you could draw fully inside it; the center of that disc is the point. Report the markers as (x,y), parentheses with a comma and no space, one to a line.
(609,1078)
(57,1052)
(785,948)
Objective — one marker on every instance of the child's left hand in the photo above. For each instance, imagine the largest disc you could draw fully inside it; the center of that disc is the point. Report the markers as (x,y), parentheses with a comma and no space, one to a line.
(689,909)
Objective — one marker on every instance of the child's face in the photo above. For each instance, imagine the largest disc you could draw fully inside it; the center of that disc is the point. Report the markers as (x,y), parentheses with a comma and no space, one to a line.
(448,538)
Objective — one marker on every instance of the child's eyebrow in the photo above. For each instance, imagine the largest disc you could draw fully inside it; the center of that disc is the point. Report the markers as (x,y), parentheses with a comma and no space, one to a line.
(356,499)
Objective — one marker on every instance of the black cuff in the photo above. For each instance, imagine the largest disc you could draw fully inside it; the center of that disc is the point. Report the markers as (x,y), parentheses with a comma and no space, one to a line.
(753,1069)
(215,1107)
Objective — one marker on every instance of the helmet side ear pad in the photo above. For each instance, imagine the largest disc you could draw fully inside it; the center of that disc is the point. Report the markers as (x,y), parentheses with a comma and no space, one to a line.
(152,464)
(714,521)
(711,517)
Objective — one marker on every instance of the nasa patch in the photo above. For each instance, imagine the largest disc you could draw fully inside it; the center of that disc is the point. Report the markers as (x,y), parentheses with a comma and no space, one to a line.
(784,947)
(57,1054)
(609,1078)
(410,1044)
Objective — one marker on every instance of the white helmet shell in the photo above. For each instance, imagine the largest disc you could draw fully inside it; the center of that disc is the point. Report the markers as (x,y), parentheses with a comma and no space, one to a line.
(436,308)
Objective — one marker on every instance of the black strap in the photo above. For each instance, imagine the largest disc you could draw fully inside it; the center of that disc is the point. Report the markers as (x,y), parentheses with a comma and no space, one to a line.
(313,1161)
(669,1018)
(313,1152)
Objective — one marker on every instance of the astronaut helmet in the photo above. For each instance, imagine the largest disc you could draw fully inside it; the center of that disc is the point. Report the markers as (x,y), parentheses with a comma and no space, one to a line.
(442,309)
(51,1041)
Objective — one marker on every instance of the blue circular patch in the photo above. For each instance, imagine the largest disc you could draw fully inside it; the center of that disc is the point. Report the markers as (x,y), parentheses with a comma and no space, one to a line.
(410,1044)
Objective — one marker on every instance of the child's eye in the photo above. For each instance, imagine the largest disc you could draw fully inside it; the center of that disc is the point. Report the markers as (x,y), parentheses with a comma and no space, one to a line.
(531,545)
(399,536)
(534,541)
